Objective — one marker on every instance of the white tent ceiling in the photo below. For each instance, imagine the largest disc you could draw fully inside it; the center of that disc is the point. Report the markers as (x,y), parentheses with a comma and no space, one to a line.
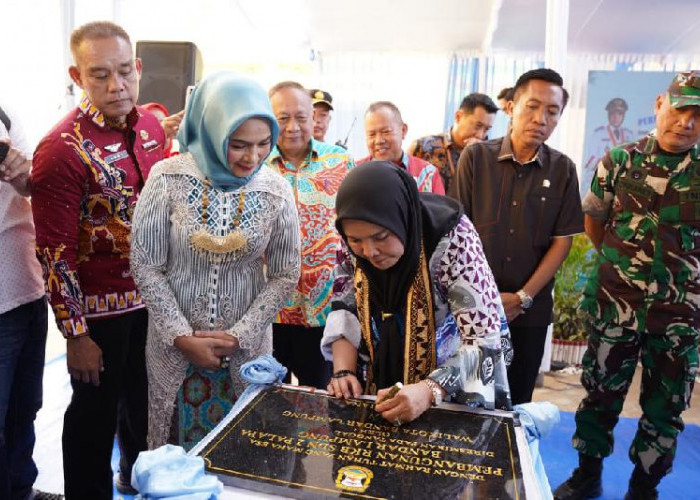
(278,39)
(407,25)
(607,26)
(287,29)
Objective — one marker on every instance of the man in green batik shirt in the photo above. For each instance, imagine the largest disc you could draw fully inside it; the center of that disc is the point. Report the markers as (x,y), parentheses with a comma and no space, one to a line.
(643,296)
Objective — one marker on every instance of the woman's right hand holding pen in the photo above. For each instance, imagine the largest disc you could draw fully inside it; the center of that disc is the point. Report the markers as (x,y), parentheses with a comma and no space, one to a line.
(403,405)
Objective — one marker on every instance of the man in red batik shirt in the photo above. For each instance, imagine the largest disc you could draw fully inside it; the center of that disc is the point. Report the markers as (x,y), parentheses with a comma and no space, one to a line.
(88,172)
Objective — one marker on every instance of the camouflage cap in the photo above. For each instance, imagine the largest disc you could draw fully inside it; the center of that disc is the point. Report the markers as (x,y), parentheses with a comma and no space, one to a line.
(685,89)
(319,96)
(616,103)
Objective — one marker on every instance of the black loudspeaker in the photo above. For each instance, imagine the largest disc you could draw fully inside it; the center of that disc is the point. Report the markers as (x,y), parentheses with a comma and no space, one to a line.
(168,69)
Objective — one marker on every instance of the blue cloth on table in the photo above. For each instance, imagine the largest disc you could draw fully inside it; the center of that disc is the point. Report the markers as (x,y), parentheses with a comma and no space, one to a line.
(263,370)
(169,472)
(538,420)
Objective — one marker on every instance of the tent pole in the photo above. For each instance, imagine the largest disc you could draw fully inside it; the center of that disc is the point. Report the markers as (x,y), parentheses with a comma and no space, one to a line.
(555,48)
(555,53)
(67,26)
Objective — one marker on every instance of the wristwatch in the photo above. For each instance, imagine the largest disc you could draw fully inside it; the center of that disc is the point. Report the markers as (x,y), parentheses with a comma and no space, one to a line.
(435,389)
(525,299)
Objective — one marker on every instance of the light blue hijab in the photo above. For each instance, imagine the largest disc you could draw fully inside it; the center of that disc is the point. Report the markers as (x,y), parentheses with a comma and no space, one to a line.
(217,107)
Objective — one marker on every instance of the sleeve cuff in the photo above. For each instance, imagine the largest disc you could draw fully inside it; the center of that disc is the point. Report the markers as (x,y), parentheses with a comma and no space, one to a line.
(594,207)
(340,323)
(73,327)
(248,341)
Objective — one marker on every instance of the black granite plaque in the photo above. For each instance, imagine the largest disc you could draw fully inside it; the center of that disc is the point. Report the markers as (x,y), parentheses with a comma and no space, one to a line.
(303,445)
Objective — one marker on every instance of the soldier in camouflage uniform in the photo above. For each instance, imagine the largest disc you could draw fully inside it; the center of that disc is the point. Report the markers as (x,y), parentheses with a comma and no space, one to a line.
(643,296)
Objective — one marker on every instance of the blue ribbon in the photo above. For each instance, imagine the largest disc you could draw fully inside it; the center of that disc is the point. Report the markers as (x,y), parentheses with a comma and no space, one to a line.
(263,370)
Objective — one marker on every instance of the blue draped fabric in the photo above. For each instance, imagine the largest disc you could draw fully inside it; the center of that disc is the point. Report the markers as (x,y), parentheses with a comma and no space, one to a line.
(499,71)
(463,79)
(169,472)
(538,420)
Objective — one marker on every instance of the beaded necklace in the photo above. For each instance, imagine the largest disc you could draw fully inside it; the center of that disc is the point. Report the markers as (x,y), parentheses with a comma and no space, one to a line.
(233,241)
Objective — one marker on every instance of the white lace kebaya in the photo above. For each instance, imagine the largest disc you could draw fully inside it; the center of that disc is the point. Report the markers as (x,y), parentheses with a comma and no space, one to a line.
(188,288)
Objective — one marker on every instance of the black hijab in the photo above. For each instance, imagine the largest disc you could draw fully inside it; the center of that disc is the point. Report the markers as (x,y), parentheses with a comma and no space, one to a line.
(383,194)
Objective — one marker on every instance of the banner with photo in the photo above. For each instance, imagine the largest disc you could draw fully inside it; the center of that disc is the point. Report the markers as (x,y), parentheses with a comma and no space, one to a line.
(619,109)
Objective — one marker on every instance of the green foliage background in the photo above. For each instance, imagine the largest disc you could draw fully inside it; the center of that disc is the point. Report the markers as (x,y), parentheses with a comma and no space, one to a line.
(568,288)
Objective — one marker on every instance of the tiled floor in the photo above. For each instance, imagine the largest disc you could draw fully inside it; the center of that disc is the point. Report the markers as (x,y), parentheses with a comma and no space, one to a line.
(565,391)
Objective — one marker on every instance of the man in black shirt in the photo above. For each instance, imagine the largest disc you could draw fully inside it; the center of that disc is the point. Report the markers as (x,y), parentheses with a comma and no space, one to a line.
(523,199)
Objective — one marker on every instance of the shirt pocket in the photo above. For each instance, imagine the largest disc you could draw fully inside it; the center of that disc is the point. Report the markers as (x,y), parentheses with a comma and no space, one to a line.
(148,154)
(689,225)
(545,205)
(631,207)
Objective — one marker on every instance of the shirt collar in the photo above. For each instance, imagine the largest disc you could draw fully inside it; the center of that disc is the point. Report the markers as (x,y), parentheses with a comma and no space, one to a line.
(506,153)
(451,144)
(276,154)
(650,146)
(314,148)
(404,161)
(91,111)
(402,164)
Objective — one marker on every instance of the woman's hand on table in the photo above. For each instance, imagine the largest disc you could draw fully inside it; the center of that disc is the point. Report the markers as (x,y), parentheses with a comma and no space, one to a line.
(345,387)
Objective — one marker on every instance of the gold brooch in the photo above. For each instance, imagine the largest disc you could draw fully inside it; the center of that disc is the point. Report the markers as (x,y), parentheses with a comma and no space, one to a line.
(233,241)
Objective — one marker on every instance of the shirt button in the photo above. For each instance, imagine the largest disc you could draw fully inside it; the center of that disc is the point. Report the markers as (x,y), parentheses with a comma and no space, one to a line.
(515,203)
(508,259)
(511,231)
(520,176)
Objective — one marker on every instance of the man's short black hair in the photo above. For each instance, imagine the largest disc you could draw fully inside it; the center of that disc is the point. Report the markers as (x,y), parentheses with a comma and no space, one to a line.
(546,74)
(96,30)
(506,93)
(474,100)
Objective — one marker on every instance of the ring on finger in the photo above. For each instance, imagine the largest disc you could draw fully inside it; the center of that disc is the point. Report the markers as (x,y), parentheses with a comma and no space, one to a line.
(224,362)
(398,422)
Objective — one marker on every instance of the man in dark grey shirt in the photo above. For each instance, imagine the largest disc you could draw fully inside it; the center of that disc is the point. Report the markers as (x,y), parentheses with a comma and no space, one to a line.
(523,199)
